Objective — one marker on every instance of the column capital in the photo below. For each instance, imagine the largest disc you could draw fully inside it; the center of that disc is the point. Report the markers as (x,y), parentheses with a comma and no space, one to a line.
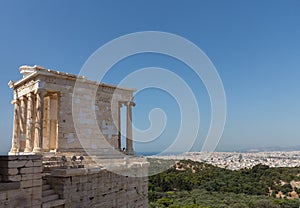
(15,101)
(130,103)
(126,103)
(29,95)
(122,103)
(22,98)
(53,95)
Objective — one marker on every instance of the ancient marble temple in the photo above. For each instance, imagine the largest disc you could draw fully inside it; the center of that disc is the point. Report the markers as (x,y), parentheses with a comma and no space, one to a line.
(44,120)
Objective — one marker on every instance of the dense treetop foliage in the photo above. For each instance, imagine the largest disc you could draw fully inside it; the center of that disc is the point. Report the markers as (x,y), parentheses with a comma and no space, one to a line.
(190,181)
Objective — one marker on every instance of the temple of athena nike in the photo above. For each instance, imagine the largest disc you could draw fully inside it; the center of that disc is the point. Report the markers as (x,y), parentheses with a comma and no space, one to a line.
(67,149)
(43,113)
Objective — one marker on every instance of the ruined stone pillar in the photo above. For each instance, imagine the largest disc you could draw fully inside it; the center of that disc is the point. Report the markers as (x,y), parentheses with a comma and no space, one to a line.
(22,120)
(129,142)
(16,129)
(38,127)
(29,121)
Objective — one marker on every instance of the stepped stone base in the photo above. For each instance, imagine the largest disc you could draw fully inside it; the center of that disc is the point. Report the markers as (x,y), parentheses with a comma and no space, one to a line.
(49,198)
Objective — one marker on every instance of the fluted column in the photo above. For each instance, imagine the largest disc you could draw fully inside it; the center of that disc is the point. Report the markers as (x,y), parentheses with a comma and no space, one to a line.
(38,127)
(129,142)
(29,122)
(46,124)
(16,128)
(119,126)
(22,120)
(53,121)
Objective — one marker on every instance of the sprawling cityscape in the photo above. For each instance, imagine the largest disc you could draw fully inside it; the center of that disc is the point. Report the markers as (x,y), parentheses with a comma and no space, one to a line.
(237,160)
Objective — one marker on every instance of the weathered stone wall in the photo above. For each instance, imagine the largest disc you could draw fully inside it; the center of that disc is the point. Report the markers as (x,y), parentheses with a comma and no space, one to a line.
(21,185)
(21,181)
(90,115)
(99,188)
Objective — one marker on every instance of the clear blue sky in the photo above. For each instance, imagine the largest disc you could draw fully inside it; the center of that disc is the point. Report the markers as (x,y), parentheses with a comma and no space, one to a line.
(254,45)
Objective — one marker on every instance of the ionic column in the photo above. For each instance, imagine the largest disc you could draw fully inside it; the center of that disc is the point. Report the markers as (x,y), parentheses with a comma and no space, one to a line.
(16,129)
(119,126)
(38,127)
(22,122)
(53,121)
(46,124)
(129,142)
(29,122)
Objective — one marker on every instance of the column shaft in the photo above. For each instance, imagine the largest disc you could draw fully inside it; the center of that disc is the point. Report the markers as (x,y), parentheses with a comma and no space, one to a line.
(129,142)
(53,113)
(38,127)
(47,125)
(119,126)
(23,111)
(29,121)
(16,128)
